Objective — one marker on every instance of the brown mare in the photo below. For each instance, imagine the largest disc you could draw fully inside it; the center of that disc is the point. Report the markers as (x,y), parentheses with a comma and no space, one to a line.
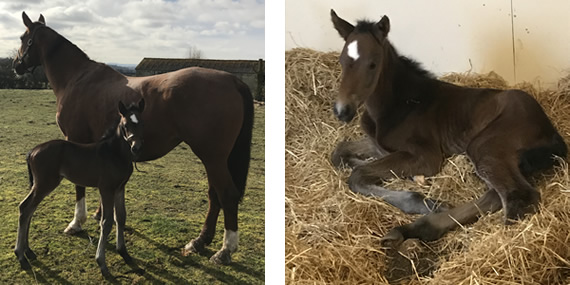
(413,122)
(107,165)
(211,111)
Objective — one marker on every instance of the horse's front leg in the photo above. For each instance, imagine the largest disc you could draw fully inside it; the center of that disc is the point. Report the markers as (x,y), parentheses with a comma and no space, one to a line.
(107,199)
(356,153)
(80,215)
(367,179)
(120,220)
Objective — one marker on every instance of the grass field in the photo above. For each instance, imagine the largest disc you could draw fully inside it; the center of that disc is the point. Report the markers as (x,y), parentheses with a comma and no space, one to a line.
(166,207)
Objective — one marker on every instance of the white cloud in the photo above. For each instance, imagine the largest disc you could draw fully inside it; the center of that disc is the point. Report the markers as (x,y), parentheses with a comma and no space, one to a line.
(127,31)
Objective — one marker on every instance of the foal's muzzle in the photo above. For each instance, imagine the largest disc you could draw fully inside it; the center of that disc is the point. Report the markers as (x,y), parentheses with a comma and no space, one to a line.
(344,112)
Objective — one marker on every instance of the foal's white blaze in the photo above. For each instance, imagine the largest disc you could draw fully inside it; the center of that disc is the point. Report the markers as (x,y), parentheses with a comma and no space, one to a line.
(230,240)
(353,50)
(134,119)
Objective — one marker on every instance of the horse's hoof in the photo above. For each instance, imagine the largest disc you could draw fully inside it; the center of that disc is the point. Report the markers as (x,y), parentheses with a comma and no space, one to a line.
(194,246)
(126,256)
(106,274)
(223,257)
(72,230)
(25,264)
(30,254)
(392,239)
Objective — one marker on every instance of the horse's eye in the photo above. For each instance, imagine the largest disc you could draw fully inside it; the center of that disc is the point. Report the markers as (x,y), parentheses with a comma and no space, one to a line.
(372,65)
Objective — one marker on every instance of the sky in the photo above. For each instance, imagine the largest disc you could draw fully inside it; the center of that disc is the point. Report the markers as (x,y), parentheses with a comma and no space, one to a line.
(124,32)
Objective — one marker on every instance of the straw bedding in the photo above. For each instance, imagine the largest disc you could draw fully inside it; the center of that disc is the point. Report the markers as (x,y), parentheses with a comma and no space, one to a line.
(332,234)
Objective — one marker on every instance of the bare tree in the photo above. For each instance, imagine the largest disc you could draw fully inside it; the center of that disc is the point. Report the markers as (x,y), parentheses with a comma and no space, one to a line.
(195,52)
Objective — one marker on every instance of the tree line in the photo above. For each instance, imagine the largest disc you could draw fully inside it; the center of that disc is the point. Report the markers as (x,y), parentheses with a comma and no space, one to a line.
(10,80)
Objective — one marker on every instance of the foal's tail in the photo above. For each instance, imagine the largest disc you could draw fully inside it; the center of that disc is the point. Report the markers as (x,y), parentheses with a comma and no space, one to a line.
(238,161)
(542,158)
(30,175)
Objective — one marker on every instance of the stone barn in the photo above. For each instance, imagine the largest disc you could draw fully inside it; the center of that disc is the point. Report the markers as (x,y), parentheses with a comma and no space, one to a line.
(252,72)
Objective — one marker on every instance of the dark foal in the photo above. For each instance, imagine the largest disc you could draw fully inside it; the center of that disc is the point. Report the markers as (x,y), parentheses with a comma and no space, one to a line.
(414,121)
(106,165)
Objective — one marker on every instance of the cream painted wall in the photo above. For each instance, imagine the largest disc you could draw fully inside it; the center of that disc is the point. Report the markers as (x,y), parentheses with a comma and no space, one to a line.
(446,35)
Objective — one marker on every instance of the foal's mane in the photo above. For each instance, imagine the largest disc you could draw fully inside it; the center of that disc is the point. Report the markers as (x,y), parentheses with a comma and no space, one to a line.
(366,26)
(111,132)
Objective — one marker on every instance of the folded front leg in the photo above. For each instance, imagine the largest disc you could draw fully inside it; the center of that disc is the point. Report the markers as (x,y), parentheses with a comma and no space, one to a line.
(368,179)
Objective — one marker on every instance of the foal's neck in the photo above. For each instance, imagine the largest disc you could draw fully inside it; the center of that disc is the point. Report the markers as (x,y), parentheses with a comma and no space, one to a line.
(402,81)
(116,143)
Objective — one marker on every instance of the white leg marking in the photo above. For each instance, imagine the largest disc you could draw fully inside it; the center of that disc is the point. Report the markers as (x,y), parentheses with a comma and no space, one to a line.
(230,240)
(353,50)
(339,107)
(79,218)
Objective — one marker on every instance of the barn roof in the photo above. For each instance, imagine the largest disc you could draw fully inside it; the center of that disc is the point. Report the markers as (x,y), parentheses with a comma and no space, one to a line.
(171,64)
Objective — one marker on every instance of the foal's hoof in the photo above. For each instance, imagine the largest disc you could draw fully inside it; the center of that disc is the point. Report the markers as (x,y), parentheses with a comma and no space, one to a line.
(393,239)
(30,254)
(194,246)
(223,257)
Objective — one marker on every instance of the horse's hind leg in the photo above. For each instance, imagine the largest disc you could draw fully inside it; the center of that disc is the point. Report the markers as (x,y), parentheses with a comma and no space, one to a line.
(208,230)
(27,208)
(501,172)
(80,215)
(228,196)
(434,225)
(355,153)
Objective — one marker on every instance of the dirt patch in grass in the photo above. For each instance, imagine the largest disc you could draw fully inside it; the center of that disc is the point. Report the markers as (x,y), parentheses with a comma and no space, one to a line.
(333,235)
(166,207)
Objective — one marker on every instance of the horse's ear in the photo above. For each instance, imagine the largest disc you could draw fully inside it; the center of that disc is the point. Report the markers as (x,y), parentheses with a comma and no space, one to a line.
(343,27)
(123,109)
(27,20)
(41,19)
(141,105)
(384,26)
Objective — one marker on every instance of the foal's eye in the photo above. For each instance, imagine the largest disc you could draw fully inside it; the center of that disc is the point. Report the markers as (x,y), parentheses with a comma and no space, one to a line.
(372,65)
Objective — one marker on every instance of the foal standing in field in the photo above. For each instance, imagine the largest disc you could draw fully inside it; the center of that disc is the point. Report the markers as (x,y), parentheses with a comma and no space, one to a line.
(414,121)
(106,165)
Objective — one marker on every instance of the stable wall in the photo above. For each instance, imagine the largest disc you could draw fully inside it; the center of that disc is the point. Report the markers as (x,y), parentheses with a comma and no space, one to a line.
(451,36)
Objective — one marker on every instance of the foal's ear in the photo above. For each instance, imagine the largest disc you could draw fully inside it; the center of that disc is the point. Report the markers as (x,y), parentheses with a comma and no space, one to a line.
(41,19)
(343,27)
(27,20)
(123,109)
(141,105)
(382,27)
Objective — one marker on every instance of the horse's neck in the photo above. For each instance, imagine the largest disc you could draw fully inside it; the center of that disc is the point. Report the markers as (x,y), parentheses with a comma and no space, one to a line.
(403,84)
(63,64)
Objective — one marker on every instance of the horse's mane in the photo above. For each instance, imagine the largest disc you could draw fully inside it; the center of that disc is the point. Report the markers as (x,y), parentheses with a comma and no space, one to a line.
(63,40)
(366,26)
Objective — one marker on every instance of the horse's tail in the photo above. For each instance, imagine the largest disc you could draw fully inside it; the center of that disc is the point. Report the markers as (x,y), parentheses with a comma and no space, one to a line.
(238,161)
(30,174)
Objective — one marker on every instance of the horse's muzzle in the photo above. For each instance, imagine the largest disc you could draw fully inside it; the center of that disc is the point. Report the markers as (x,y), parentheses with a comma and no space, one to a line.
(136,149)
(344,112)
(18,66)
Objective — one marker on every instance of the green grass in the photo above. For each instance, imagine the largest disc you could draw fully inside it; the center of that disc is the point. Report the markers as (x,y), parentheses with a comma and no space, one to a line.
(166,207)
